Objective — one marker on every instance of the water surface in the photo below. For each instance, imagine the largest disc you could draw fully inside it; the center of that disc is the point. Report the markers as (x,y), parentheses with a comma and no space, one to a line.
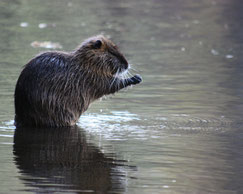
(180,131)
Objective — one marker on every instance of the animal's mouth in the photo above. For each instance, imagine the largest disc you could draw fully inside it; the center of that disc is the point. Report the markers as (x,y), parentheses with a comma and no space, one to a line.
(122,73)
(125,68)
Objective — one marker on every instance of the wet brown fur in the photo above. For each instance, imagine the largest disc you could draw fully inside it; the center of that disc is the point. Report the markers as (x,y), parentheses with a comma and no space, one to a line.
(55,88)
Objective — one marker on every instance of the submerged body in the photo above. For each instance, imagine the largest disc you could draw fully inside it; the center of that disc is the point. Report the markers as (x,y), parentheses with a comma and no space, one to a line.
(55,88)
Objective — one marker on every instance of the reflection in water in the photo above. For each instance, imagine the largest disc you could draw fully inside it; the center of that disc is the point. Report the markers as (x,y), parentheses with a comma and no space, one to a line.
(60,159)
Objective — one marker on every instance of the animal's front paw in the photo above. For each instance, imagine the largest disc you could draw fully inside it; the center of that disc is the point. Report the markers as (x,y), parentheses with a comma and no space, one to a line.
(136,79)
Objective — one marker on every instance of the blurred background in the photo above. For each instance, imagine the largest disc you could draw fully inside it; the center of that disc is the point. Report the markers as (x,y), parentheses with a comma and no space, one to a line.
(179,131)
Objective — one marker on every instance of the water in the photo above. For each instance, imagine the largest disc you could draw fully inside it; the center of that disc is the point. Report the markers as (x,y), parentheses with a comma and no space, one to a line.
(180,131)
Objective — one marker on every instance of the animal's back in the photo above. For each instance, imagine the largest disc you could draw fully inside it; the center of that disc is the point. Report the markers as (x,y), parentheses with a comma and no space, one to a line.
(37,100)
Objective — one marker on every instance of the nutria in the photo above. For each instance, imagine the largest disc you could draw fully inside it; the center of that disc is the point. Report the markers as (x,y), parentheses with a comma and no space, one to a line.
(55,88)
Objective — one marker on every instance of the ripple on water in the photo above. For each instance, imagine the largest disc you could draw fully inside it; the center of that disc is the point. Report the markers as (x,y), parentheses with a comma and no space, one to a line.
(7,126)
(7,132)
(121,125)
(111,125)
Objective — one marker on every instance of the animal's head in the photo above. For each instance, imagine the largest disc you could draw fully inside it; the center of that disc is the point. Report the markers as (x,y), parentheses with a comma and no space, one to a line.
(102,56)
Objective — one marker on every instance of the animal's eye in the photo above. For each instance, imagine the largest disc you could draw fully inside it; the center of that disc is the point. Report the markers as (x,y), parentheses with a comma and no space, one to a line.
(97,44)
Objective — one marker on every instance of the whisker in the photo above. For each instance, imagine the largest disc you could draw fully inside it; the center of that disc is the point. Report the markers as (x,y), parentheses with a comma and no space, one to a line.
(114,78)
(133,69)
(129,75)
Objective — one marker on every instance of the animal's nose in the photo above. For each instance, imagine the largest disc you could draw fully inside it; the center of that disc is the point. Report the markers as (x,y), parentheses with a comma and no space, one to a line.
(124,61)
(120,57)
(126,65)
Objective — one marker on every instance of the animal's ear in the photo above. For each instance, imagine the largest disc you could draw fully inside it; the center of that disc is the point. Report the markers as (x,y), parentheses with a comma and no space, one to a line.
(97,44)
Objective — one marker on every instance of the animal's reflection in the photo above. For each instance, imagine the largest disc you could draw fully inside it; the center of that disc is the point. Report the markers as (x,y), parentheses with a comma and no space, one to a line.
(61,159)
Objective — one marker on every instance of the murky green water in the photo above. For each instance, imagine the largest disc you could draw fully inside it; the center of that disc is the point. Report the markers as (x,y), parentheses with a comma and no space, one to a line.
(180,131)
